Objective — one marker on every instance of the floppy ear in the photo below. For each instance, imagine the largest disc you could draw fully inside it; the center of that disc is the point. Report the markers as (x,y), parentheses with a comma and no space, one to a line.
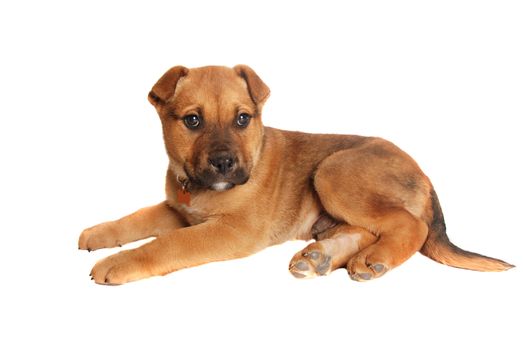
(165,87)
(257,89)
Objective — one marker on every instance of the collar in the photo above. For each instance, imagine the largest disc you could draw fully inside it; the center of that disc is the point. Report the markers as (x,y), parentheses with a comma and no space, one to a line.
(184,182)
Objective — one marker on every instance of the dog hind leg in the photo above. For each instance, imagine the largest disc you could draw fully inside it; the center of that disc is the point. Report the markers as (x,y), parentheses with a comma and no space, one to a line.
(378,187)
(400,236)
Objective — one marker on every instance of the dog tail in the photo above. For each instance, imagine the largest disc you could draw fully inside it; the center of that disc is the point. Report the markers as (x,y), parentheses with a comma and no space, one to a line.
(439,248)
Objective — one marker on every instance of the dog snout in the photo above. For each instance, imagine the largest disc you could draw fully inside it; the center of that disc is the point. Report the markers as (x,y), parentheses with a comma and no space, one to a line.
(222,162)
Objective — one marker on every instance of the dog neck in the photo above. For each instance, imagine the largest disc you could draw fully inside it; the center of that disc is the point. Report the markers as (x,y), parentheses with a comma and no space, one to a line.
(178,173)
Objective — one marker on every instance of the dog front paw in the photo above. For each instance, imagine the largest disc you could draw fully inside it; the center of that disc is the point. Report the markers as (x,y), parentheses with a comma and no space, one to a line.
(104,235)
(120,268)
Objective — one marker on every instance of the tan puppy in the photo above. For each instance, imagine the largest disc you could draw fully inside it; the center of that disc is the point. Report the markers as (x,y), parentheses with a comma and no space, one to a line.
(235,187)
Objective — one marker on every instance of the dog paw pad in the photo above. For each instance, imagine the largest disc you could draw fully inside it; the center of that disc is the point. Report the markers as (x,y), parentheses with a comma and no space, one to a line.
(298,275)
(302,266)
(378,268)
(364,276)
(366,271)
(314,255)
(310,263)
(324,267)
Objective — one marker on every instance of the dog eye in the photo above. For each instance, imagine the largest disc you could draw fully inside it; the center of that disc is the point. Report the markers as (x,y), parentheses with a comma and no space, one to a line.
(243,120)
(192,121)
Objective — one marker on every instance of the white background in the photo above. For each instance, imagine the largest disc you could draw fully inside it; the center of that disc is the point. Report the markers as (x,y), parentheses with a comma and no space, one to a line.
(80,144)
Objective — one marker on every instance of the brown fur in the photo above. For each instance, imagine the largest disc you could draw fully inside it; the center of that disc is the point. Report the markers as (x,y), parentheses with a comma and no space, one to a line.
(367,203)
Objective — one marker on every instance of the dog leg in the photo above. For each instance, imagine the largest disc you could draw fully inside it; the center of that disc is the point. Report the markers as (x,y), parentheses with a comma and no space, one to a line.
(379,187)
(401,235)
(145,223)
(215,240)
(322,257)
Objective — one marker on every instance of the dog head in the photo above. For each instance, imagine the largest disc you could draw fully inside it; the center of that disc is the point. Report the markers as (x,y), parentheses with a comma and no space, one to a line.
(211,120)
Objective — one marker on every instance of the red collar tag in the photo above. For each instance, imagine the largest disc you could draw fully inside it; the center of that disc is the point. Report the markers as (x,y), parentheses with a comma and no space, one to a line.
(183,197)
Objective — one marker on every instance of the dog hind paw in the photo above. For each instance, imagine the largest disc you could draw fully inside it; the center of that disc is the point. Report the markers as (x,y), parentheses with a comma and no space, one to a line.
(363,268)
(310,263)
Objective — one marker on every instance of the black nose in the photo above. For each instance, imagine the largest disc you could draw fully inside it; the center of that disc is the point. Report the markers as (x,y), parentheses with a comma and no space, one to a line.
(223,162)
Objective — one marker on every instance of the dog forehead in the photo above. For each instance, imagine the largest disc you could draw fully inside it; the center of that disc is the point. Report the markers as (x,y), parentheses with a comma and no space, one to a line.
(212,81)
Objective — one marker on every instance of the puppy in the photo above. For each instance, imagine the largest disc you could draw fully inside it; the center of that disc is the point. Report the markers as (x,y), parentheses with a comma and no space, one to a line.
(235,187)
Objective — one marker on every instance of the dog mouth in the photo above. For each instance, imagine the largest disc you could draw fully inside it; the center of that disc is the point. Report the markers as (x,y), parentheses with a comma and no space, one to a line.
(222,183)
(210,180)
(222,186)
